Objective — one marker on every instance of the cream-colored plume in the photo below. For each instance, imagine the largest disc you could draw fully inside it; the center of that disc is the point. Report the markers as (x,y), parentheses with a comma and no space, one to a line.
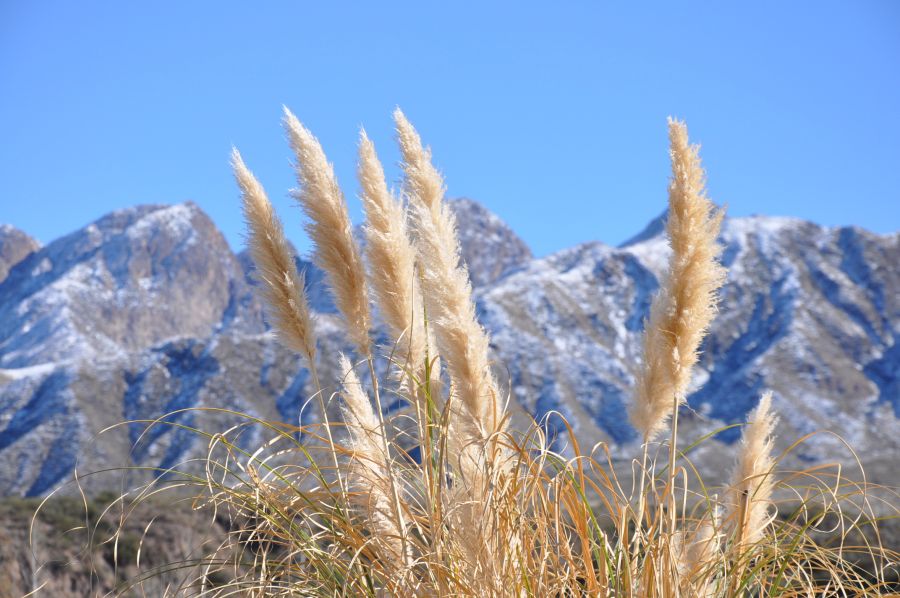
(687,300)
(477,411)
(392,260)
(281,285)
(462,342)
(331,231)
(371,469)
(752,483)
(696,552)
(423,181)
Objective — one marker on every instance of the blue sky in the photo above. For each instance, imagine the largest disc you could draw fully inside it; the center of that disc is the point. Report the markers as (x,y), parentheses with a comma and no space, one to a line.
(551,114)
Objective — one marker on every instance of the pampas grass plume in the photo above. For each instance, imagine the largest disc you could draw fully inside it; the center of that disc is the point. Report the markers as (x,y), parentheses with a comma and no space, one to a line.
(331,231)
(371,467)
(750,493)
(423,180)
(462,342)
(282,287)
(392,258)
(686,302)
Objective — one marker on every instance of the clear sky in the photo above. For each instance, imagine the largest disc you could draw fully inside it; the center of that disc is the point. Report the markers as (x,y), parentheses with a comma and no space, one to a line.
(550,113)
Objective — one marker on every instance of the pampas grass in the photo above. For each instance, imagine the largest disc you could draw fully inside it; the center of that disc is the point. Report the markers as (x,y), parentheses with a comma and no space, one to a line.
(461,341)
(282,287)
(686,303)
(331,231)
(471,506)
(392,260)
(371,468)
(750,493)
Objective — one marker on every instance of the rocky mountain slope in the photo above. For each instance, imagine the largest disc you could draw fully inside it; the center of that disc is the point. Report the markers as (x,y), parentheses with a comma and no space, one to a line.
(15,246)
(808,312)
(147,311)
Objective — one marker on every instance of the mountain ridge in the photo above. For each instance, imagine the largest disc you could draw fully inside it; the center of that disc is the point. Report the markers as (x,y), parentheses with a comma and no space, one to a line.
(147,310)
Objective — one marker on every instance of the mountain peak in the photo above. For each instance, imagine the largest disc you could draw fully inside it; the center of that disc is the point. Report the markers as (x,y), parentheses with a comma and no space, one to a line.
(174,219)
(755,223)
(654,228)
(15,246)
(126,281)
(489,246)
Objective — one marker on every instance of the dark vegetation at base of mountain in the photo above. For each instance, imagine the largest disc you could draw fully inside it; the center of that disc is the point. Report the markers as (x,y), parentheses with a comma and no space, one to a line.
(50,548)
(72,547)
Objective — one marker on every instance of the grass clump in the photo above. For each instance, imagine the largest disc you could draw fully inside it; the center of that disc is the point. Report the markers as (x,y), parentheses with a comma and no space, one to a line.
(445,497)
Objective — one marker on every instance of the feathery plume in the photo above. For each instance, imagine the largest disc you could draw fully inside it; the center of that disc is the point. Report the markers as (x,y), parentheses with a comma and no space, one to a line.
(392,258)
(423,181)
(371,467)
(330,229)
(750,493)
(462,342)
(282,287)
(697,551)
(687,300)
(478,411)
(703,546)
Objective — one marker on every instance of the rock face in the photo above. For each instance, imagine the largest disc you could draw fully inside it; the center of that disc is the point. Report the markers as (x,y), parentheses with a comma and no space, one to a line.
(122,284)
(15,246)
(147,312)
(489,247)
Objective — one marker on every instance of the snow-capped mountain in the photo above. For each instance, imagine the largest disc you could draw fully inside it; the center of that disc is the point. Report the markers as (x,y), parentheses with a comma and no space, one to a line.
(124,283)
(809,312)
(147,311)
